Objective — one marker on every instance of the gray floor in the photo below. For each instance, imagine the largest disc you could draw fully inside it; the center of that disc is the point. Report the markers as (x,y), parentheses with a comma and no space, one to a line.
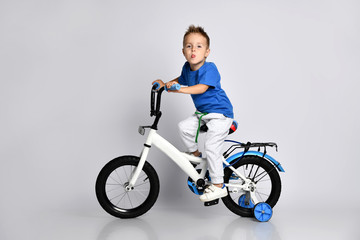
(181,223)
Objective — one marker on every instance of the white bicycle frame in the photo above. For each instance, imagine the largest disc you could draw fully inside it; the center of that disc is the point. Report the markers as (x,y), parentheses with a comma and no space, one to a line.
(185,161)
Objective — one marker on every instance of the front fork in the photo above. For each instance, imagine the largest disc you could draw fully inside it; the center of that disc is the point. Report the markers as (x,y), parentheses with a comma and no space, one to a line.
(143,157)
(138,168)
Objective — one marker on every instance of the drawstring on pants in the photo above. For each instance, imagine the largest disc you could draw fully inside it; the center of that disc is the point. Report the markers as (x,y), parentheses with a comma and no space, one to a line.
(198,130)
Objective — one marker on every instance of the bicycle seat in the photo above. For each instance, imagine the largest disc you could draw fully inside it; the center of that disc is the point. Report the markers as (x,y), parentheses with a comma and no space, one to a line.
(232,129)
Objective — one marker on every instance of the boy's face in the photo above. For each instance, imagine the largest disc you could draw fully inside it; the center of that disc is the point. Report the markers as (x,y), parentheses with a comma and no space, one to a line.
(195,50)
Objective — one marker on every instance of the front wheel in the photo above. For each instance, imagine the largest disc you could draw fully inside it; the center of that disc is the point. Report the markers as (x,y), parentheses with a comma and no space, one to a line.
(111,190)
(264,177)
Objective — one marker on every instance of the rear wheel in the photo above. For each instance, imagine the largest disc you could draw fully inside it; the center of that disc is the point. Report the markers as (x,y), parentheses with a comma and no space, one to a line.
(264,177)
(113,194)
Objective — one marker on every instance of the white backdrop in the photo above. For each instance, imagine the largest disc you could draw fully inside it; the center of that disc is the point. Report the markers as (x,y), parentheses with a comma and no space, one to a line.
(75,84)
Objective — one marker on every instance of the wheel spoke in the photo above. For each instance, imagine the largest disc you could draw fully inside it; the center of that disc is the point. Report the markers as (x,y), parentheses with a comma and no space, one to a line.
(135,195)
(261,178)
(261,193)
(118,196)
(121,199)
(265,180)
(118,176)
(140,192)
(129,199)
(127,177)
(108,191)
(267,174)
(256,172)
(262,200)
(116,180)
(141,184)
(250,170)
(115,184)
(257,176)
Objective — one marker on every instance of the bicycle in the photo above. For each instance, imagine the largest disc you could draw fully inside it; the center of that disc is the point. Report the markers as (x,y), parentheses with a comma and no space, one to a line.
(128,186)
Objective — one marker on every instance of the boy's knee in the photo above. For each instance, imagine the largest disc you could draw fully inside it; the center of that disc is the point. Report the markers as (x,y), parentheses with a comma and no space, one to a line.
(181,126)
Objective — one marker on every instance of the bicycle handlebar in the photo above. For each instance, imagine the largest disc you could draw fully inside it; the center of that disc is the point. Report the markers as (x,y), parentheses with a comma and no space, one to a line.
(156,85)
(176,86)
(155,106)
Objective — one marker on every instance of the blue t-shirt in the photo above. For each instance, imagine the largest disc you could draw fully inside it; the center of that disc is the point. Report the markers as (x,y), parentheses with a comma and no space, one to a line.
(214,100)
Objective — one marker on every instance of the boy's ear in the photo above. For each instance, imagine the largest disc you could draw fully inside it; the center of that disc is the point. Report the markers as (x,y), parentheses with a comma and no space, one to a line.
(183,52)
(207,52)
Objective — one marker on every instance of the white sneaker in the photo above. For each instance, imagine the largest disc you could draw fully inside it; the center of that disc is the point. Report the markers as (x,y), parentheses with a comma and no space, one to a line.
(211,193)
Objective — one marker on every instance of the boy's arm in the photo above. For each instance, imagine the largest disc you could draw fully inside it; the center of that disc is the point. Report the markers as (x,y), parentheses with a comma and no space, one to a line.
(196,89)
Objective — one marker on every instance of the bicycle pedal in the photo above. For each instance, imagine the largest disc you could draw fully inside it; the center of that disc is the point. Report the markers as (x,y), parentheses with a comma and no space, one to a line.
(211,203)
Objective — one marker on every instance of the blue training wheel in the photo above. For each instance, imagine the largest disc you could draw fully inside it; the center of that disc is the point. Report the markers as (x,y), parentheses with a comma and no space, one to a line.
(243,204)
(263,212)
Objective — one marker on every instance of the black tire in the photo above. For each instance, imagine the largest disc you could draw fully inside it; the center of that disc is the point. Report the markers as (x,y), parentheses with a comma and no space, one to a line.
(111,183)
(263,173)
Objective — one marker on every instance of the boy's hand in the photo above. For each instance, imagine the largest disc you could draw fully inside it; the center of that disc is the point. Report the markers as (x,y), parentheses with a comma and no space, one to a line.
(169,84)
(160,82)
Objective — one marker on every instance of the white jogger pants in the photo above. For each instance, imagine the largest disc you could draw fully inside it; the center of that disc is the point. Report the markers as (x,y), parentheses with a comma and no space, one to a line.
(218,129)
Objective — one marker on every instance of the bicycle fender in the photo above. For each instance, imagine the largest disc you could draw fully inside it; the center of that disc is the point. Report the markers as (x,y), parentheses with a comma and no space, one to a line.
(259,154)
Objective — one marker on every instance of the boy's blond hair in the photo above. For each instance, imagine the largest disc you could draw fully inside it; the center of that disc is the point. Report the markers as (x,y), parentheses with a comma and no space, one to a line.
(198,29)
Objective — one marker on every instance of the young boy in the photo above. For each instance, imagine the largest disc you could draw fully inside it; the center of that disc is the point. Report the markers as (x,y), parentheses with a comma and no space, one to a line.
(213,107)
